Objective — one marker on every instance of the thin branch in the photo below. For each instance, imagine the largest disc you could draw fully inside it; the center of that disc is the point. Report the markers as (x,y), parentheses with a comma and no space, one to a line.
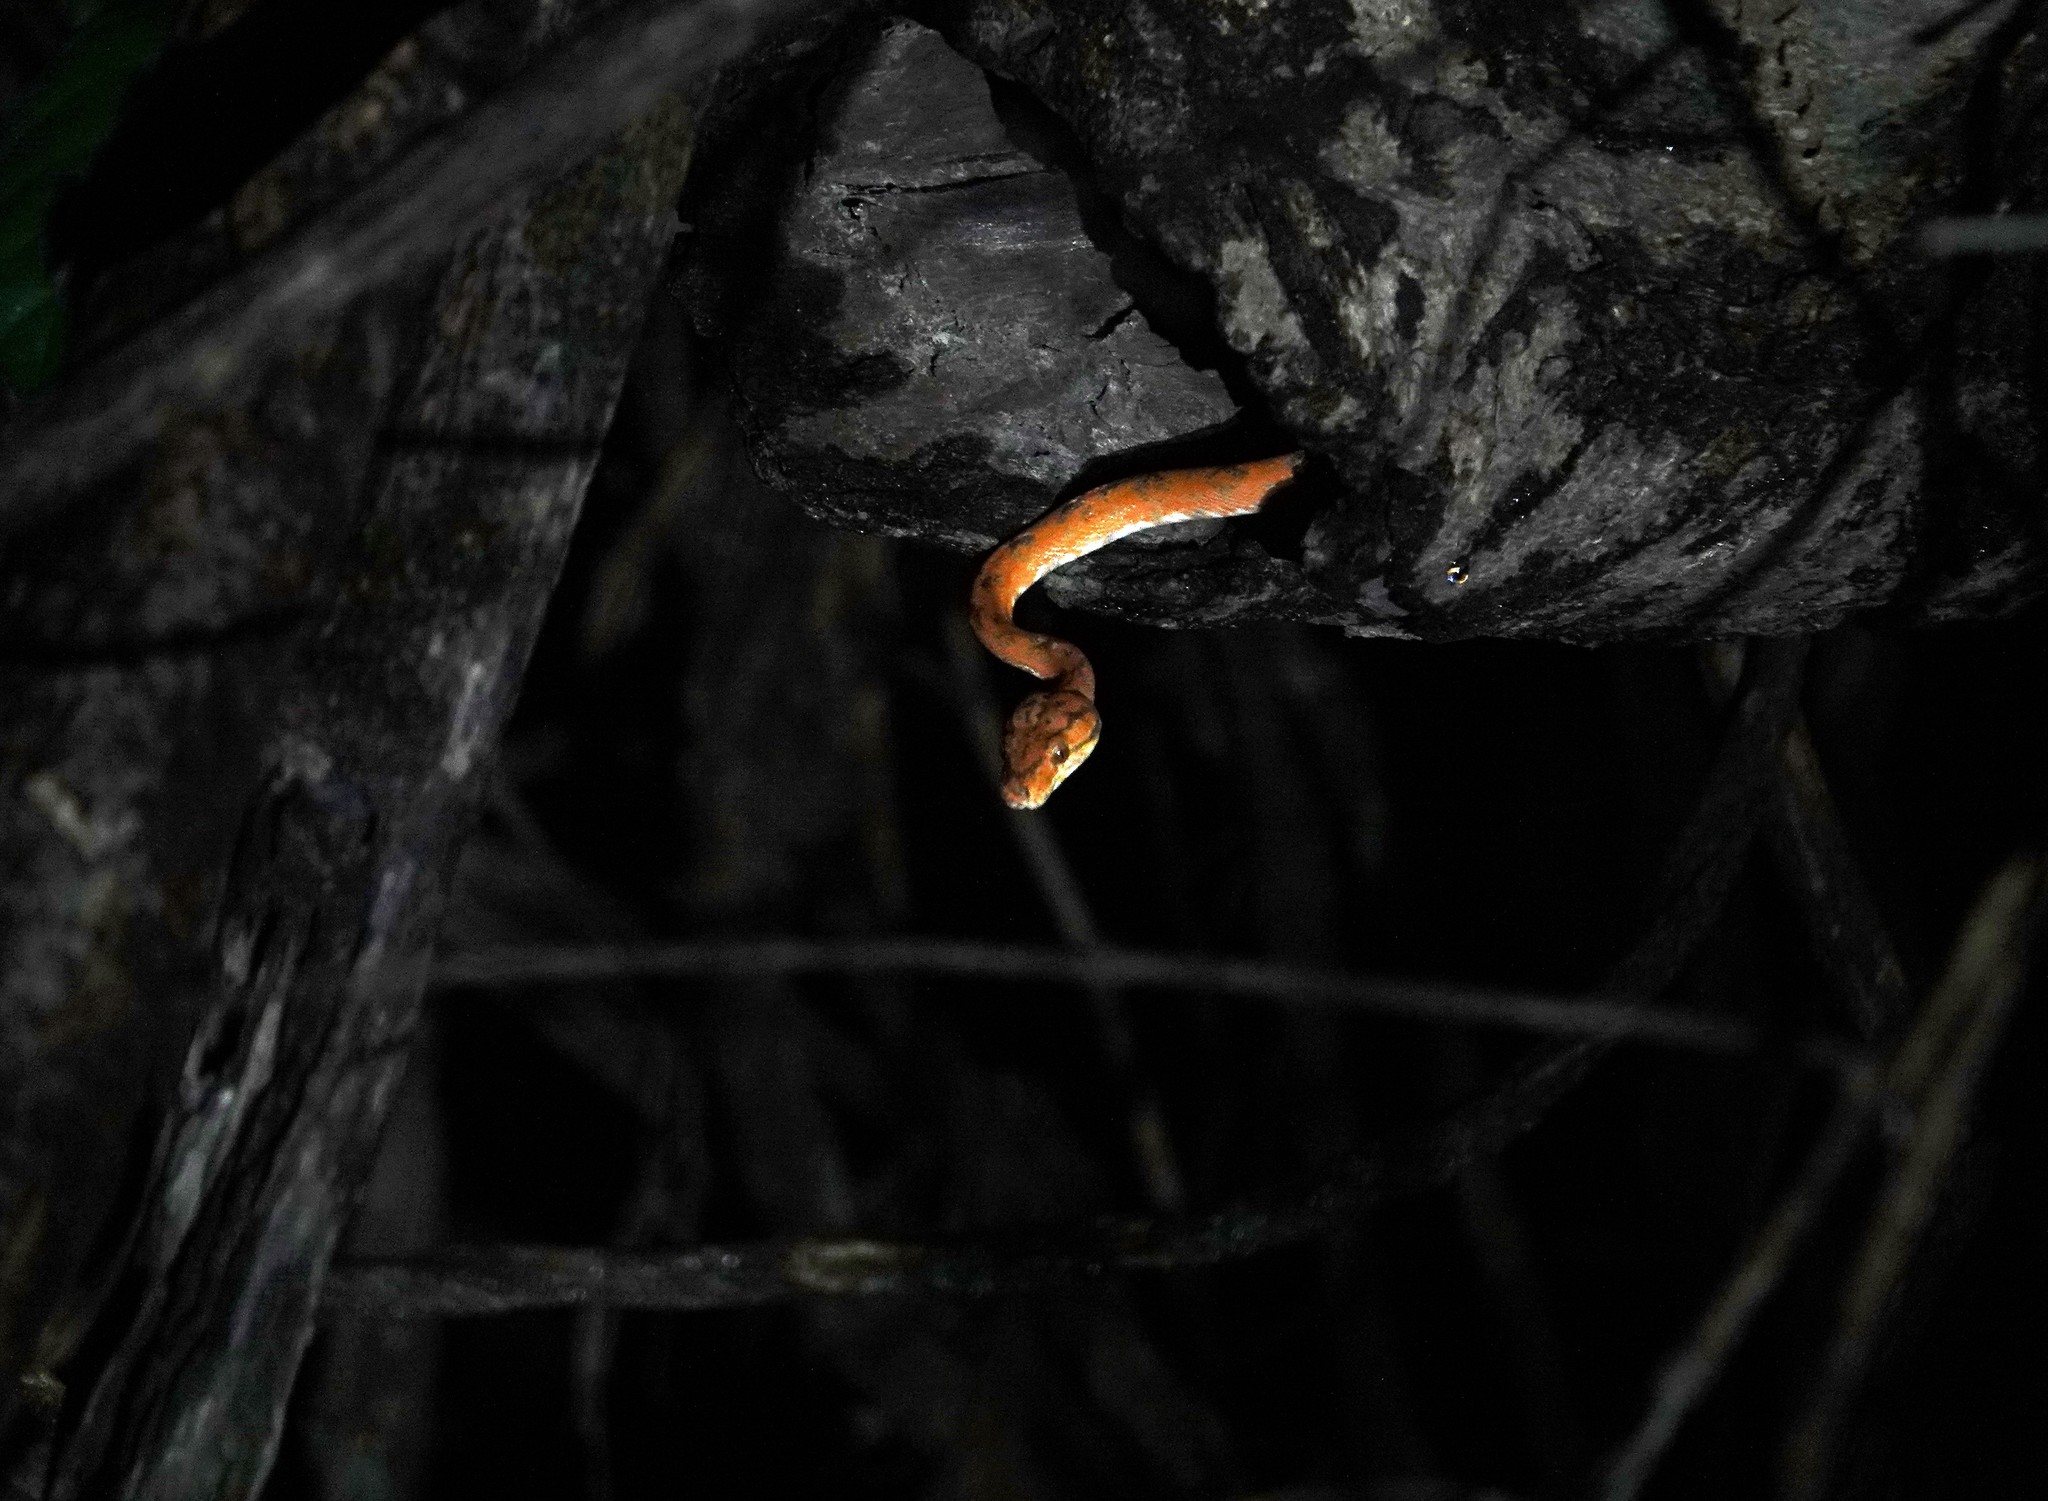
(468,1280)
(1813,852)
(216,350)
(1982,978)
(1986,234)
(1821,871)
(1705,858)
(1691,1371)
(518,965)
(1989,972)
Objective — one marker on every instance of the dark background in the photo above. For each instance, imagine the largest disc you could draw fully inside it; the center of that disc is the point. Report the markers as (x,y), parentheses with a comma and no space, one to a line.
(1487,812)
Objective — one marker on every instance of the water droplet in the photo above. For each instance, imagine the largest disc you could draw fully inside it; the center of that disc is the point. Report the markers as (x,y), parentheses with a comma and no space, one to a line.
(1456,574)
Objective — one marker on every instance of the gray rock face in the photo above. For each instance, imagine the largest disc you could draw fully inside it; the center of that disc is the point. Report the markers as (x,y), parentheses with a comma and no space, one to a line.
(964,271)
(1609,329)
(941,350)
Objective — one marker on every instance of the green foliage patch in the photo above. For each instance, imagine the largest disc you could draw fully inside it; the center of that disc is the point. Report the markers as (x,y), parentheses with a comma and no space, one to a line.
(46,139)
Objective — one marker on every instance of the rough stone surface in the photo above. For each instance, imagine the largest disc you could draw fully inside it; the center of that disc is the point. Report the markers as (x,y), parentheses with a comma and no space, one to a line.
(942,349)
(1608,317)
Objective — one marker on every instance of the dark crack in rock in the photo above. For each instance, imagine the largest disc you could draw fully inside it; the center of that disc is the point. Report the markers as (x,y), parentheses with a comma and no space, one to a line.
(1612,326)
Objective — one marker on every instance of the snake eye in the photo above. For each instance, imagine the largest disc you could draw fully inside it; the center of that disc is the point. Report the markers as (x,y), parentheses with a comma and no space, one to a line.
(1059,754)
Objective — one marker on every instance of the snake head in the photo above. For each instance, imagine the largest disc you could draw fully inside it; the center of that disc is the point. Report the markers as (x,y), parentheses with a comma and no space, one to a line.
(1047,739)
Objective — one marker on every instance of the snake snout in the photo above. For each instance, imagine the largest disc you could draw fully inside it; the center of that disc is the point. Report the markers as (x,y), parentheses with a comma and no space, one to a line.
(1048,738)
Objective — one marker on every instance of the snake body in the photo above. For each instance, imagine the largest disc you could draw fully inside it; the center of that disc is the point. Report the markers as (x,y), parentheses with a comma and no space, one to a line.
(1053,731)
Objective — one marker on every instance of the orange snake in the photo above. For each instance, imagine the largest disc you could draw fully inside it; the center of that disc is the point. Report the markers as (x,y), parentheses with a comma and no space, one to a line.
(1052,732)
